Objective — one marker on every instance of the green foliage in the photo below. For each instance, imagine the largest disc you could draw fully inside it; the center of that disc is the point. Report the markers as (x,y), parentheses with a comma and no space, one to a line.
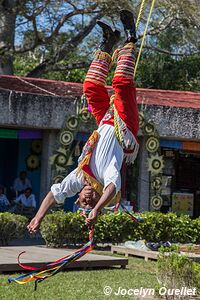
(196,230)
(196,272)
(56,228)
(157,226)
(60,228)
(164,72)
(78,230)
(11,227)
(113,228)
(75,75)
(24,64)
(184,230)
(175,271)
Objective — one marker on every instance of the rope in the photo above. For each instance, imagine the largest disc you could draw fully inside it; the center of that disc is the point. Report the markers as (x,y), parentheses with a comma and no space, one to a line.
(37,87)
(144,36)
(140,13)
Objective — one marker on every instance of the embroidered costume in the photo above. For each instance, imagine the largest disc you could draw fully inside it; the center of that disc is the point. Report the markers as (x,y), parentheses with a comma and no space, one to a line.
(115,139)
(117,118)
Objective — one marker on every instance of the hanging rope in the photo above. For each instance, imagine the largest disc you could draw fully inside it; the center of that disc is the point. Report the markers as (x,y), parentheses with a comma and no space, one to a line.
(140,13)
(145,33)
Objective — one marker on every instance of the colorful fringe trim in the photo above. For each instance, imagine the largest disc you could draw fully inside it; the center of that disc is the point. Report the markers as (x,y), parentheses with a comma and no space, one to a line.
(126,139)
(99,68)
(85,157)
(91,180)
(84,168)
(125,61)
(40,274)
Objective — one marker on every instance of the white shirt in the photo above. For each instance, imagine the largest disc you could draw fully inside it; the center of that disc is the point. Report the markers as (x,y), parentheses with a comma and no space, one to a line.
(105,163)
(107,158)
(29,202)
(19,185)
(4,200)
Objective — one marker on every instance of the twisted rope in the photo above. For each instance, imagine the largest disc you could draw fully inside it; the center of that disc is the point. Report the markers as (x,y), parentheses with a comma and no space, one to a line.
(140,13)
(144,36)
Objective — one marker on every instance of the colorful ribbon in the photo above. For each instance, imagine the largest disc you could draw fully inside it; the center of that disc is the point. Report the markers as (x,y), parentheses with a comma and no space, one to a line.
(51,269)
(40,274)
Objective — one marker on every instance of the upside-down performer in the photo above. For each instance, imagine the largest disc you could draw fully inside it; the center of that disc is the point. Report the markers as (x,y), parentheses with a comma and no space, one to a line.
(117,119)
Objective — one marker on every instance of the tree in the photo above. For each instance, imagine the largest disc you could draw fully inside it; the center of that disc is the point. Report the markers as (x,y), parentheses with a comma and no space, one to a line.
(8,13)
(50,38)
(53,28)
(169,72)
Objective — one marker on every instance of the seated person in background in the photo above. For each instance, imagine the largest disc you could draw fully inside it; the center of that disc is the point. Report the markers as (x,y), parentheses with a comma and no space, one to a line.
(4,203)
(27,198)
(21,183)
(25,203)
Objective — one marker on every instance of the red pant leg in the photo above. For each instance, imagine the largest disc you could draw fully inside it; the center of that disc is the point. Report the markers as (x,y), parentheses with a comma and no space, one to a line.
(94,85)
(123,85)
(98,99)
(125,102)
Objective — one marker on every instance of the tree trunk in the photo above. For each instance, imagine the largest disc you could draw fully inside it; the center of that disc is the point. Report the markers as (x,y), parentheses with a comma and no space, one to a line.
(7,35)
(47,65)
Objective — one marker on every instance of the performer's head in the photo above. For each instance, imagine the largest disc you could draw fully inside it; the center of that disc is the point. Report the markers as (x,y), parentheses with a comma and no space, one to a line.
(88,198)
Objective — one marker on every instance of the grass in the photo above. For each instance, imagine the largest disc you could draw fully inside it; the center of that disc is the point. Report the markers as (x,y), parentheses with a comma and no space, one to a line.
(84,285)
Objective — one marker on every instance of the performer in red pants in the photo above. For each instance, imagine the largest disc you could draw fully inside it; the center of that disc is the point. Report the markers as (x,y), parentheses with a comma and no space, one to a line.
(117,118)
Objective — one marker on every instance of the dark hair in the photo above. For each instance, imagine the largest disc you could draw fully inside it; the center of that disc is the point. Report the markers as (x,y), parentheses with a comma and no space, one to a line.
(28,189)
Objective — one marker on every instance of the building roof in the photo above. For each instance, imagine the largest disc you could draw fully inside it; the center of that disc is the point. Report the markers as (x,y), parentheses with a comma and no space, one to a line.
(40,86)
(69,89)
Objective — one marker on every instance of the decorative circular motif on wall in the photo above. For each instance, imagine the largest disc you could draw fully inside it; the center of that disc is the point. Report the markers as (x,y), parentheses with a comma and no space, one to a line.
(149,128)
(58,179)
(36,146)
(141,119)
(156,183)
(72,123)
(156,202)
(152,144)
(155,164)
(61,160)
(66,138)
(33,162)
(84,115)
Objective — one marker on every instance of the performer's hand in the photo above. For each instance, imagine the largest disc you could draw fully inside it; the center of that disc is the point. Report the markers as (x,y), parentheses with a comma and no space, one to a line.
(92,217)
(34,225)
